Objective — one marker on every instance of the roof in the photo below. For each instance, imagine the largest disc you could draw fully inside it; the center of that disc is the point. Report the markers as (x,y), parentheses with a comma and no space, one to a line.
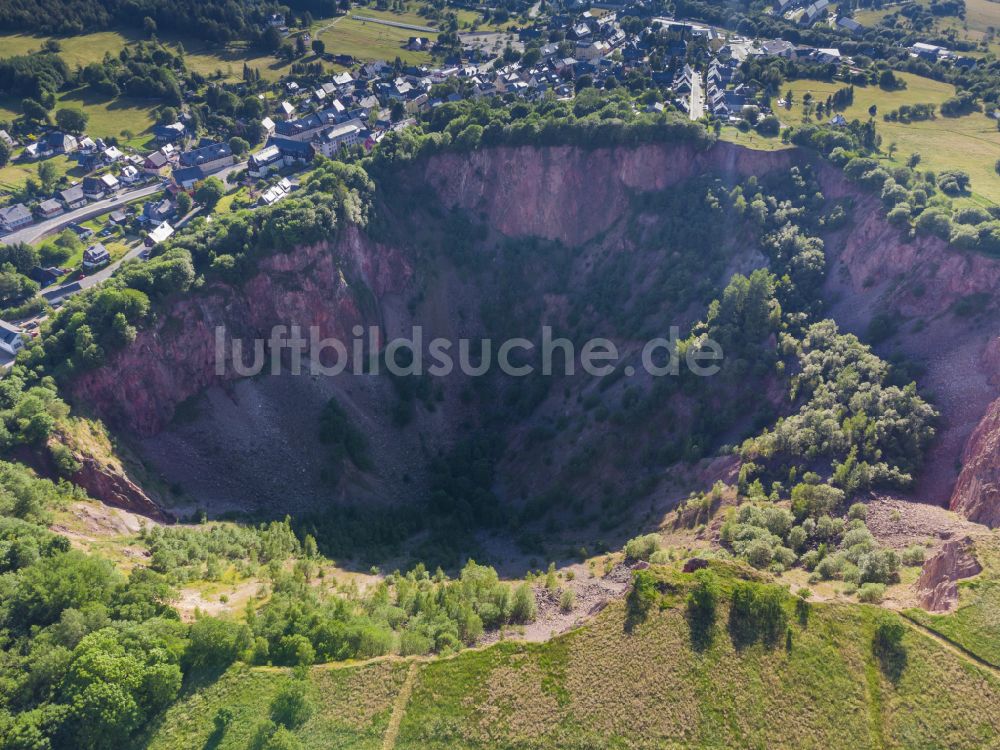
(266,155)
(71,195)
(298,149)
(162,232)
(188,174)
(96,252)
(50,205)
(157,159)
(17,212)
(8,333)
(208,153)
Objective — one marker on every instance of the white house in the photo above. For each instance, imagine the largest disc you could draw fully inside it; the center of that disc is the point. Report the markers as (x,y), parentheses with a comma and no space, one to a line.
(347,134)
(10,338)
(14,217)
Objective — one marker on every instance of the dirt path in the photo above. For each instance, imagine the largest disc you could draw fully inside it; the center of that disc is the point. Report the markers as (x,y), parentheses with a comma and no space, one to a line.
(399,708)
(958,650)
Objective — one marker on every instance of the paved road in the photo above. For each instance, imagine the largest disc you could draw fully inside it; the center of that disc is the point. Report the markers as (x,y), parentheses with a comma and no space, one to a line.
(50,226)
(697,106)
(396,24)
(42,229)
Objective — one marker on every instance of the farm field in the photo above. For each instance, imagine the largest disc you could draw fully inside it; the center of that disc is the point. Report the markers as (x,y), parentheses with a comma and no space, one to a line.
(970,143)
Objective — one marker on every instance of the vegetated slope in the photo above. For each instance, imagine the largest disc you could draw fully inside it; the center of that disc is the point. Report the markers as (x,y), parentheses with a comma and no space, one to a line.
(638,681)
(606,242)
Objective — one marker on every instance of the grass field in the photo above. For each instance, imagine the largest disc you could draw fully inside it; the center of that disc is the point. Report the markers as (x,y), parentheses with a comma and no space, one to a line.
(976,623)
(369,41)
(970,143)
(649,687)
(14,175)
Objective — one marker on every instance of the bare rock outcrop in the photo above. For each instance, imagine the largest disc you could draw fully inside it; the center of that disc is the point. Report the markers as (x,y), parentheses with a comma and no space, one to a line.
(112,487)
(937,586)
(977,492)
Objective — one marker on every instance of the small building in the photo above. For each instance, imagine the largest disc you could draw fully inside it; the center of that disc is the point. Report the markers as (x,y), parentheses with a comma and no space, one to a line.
(265,161)
(157,212)
(95,256)
(59,143)
(51,207)
(186,178)
(210,158)
(331,141)
(73,197)
(160,234)
(15,217)
(267,125)
(169,133)
(128,175)
(10,338)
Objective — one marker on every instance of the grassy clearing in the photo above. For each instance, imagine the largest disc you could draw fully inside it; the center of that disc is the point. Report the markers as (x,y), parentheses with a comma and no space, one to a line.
(969,143)
(15,174)
(75,50)
(113,117)
(600,686)
(353,705)
(975,625)
(370,41)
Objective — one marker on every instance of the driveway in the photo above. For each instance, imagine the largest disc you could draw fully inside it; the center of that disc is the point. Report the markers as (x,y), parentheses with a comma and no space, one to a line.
(697,107)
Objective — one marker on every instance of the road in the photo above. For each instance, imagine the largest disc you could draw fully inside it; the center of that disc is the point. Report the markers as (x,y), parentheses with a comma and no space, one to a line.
(396,24)
(697,106)
(42,229)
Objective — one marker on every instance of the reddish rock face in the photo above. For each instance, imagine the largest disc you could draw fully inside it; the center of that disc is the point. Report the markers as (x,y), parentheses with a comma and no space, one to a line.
(318,285)
(977,492)
(937,587)
(115,489)
(573,195)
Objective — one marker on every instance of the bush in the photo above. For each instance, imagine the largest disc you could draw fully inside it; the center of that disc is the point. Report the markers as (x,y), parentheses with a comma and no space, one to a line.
(523,608)
(757,612)
(858,511)
(566,600)
(702,604)
(913,555)
(291,706)
(871,593)
(642,547)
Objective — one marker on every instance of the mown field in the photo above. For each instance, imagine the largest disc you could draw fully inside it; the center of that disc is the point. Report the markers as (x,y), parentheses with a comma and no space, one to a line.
(365,40)
(604,686)
(970,143)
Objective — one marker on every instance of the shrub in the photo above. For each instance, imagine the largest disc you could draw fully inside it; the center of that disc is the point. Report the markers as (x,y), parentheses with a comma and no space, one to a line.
(871,593)
(642,547)
(291,706)
(702,604)
(640,598)
(566,600)
(523,608)
(858,511)
(913,555)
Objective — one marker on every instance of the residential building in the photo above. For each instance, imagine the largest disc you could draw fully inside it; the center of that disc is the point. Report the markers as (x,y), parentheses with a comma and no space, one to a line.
(346,134)
(95,256)
(15,217)
(265,161)
(169,133)
(73,197)
(50,208)
(10,338)
(186,178)
(160,234)
(156,163)
(210,158)
(157,212)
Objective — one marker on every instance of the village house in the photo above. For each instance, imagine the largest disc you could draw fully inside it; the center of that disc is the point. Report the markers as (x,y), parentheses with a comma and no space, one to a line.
(160,234)
(157,211)
(187,177)
(169,133)
(73,197)
(49,208)
(10,338)
(14,217)
(156,163)
(95,256)
(265,161)
(345,135)
(210,158)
